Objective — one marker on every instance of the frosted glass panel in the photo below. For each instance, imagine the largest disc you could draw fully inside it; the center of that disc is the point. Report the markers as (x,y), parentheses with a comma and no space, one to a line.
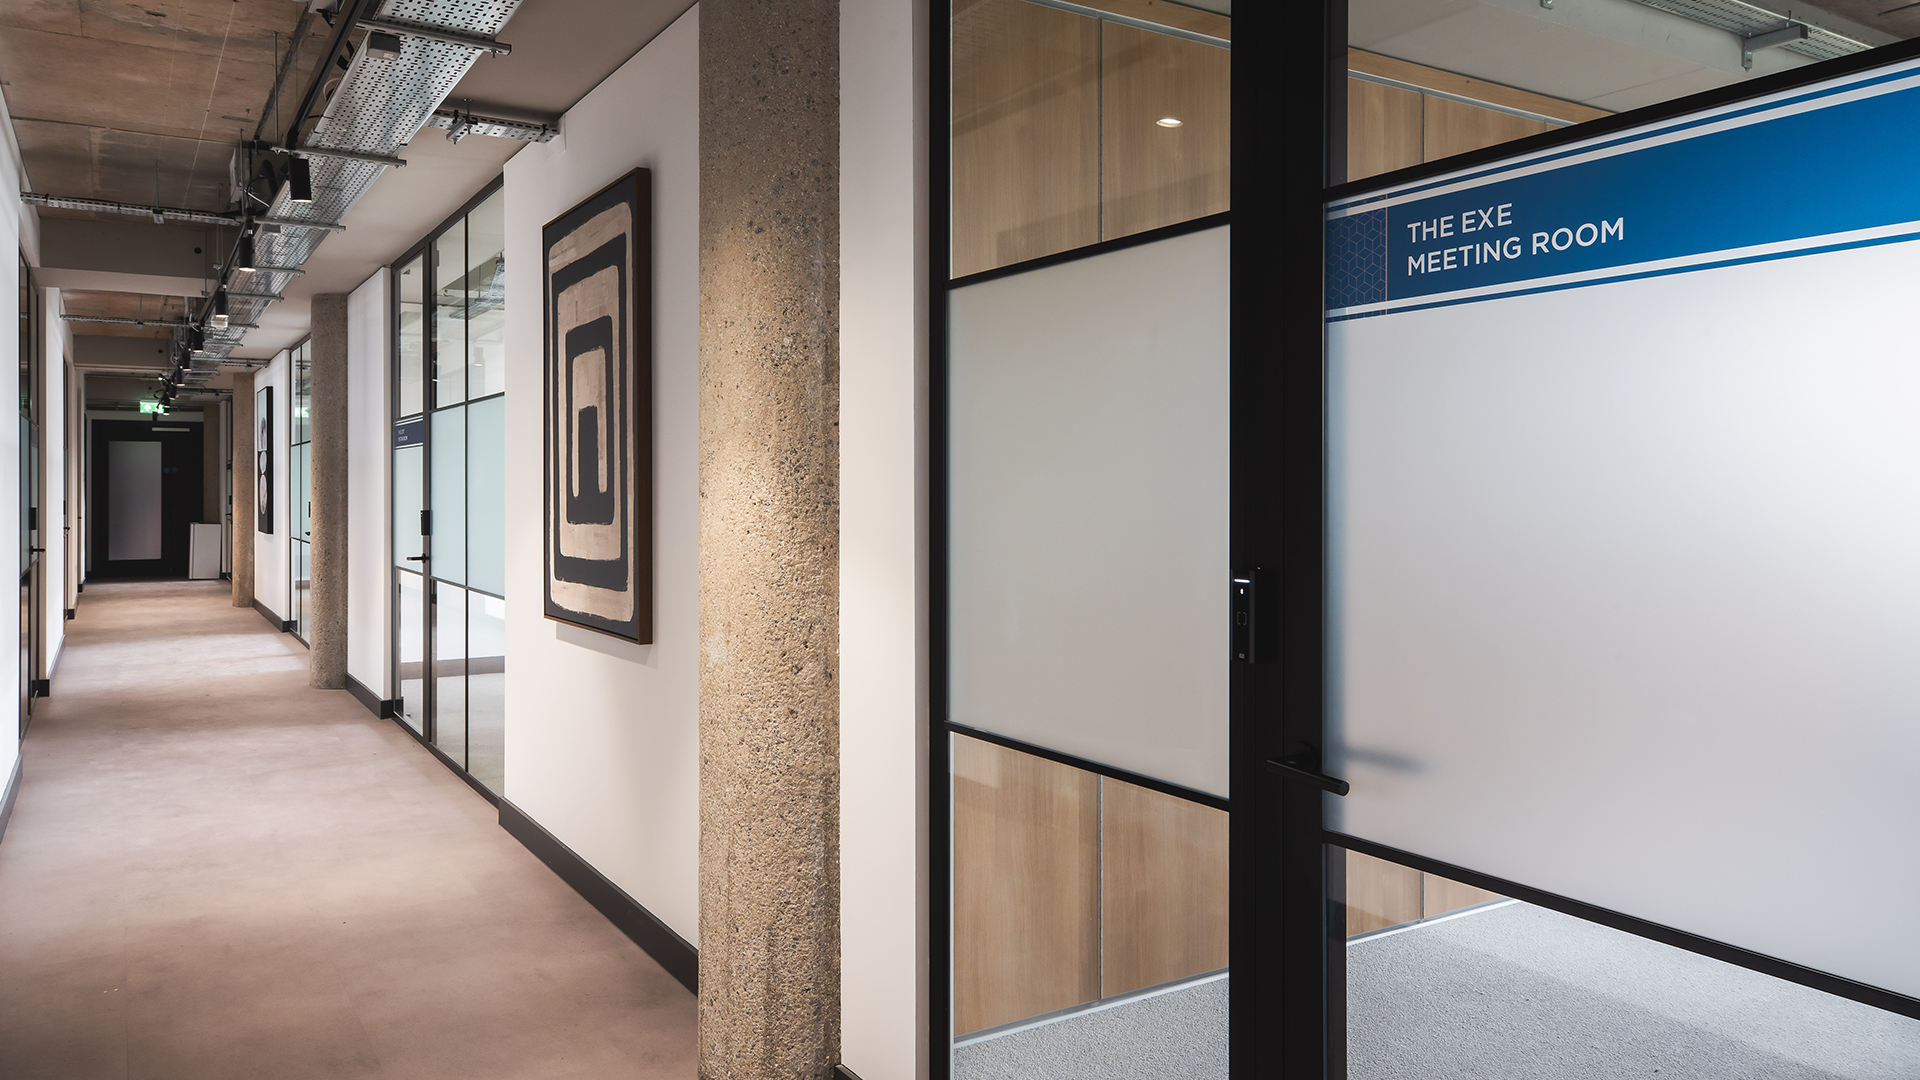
(133,500)
(1623,590)
(487,495)
(1088,499)
(409,462)
(448,431)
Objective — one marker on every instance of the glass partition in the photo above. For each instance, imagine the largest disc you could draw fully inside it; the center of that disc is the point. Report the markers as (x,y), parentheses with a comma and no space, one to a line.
(1073,125)
(1086,592)
(449,483)
(300,487)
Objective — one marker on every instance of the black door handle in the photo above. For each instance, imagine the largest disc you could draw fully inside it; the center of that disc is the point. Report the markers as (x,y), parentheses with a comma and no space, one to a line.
(1295,768)
(416,558)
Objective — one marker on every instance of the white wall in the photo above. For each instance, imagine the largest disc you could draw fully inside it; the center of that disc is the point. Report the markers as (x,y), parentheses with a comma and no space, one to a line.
(53,484)
(602,736)
(369,507)
(270,555)
(19,231)
(883,563)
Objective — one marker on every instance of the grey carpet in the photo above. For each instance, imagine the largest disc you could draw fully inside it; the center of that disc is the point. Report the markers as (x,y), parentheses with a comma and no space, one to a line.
(1522,993)
(1182,1033)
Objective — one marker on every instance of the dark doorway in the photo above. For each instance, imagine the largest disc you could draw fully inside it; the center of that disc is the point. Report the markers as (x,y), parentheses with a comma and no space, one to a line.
(129,460)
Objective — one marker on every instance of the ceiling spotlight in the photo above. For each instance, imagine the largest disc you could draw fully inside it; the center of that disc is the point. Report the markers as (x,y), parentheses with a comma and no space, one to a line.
(243,257)
(299,181)
(220,310)
(382,46)
(196,339)
(1168,121)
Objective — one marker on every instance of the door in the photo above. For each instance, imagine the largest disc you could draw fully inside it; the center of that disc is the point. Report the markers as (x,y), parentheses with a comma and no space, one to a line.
(146,494)
(449,467)
(1558,593)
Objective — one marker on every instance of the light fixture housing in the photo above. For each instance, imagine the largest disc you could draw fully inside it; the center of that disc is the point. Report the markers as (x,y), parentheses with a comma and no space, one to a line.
(243,254)
(219,319)
(381,45)
(299,180)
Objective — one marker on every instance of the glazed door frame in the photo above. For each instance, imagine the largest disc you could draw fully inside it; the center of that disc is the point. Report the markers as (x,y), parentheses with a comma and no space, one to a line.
(1289,926)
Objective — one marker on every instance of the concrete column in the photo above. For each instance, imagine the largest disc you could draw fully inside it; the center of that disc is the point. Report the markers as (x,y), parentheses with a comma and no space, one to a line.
(327,487)
(769,539)
(244,479)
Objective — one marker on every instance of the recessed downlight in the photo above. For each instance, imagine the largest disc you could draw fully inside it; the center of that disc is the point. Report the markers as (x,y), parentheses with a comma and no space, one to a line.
(1168,121)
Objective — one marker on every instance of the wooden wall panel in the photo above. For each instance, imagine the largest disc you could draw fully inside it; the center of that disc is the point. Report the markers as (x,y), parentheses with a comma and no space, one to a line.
(1384,129)
(1445,894)
(1380,894)
(1026,885)
(1455,128)
(1163,873)
(1155,175)
(1026,133)
(1468,87)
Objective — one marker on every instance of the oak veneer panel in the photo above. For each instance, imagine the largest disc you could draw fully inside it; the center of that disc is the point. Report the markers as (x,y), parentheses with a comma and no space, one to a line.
(1445,894)
(1178,16)
(1380,894)
(1163,872)
(1154,175)
(1384,129)
(1447,82)
(1026,885)
(1026,133)
(1455,128)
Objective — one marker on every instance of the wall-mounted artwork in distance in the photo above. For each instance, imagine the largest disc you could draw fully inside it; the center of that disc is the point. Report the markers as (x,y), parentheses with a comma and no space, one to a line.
(263,457)
(599,411)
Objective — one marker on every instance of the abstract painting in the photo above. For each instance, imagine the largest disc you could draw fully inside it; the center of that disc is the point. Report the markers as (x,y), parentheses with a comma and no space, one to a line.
(599,411)
(263,458)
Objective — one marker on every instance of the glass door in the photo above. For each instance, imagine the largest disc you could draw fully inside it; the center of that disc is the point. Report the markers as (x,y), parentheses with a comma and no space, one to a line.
(449,492)
(1578,628)
(1081,602)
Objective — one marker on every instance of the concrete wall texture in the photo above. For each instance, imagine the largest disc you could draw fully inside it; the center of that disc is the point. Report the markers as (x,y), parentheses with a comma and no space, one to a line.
(769,538)
(327,495)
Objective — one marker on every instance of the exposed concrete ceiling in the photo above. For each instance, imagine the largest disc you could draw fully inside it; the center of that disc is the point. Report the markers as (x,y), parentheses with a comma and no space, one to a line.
(160,313)
(108,95)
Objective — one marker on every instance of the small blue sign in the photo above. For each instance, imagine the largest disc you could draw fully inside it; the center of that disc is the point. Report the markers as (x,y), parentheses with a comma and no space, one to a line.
(410,432)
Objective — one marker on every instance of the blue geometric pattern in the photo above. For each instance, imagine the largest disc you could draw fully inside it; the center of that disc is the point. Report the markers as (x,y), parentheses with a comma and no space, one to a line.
(1357,259)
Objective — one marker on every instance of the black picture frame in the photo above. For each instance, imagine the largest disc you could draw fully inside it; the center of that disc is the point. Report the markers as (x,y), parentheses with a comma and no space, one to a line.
(597,411)
(263,458)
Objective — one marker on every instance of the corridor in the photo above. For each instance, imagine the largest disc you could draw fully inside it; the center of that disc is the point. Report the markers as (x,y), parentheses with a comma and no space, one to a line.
(213,871)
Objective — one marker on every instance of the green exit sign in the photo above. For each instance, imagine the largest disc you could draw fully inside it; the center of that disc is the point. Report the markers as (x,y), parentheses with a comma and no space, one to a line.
(152,407)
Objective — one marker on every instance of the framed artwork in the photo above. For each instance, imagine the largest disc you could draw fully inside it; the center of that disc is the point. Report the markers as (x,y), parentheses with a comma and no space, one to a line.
(597,267)
(263,458)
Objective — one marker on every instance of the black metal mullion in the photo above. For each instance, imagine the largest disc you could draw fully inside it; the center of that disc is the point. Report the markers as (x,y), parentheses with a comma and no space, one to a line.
(939,22)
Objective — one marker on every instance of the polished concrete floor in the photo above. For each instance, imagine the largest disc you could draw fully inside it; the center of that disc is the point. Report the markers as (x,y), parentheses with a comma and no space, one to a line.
(213,871)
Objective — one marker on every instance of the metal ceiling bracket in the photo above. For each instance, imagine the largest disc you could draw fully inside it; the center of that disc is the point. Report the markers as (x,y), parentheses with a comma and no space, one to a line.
(159,214)
(436,33)
(458,124)
(121,322)
(344,155)
(1753,43)
(294,223)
